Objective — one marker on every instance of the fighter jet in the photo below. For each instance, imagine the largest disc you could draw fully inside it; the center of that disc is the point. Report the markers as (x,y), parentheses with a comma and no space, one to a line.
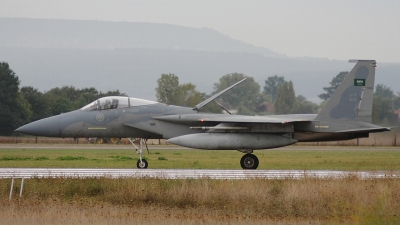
(347,115)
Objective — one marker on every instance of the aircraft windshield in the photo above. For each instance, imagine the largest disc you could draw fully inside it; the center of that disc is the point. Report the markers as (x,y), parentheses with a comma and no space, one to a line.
(114,102)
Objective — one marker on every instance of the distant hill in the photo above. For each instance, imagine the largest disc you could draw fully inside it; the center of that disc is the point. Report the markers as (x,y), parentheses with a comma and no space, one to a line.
(75,34)
(132,56)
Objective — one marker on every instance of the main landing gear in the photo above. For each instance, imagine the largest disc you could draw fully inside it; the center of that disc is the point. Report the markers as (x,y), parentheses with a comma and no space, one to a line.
(141,163)
(249,161)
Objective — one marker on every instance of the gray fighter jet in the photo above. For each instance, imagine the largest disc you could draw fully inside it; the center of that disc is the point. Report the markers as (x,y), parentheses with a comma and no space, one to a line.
(347,115)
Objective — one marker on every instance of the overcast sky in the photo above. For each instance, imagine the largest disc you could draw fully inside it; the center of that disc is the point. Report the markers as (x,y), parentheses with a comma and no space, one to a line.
(337,29)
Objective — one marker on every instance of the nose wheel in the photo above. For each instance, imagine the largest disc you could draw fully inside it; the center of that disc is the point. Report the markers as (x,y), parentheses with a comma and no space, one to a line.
(141,163)
(249,162)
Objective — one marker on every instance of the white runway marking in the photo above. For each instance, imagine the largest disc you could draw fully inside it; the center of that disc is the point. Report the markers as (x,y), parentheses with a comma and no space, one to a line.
(188,173)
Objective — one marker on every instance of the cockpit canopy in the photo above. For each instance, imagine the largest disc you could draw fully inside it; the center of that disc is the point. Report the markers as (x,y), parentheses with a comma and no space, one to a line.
(114,102)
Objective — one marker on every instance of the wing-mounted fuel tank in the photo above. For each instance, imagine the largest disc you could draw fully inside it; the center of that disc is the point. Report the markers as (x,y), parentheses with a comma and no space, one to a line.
(229,141)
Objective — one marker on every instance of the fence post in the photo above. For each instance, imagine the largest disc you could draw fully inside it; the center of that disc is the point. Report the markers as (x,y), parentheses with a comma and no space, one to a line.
(12,185)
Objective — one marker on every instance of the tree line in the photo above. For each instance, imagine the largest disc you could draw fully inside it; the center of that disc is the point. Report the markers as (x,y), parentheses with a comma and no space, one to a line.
(277,97)
(19,106)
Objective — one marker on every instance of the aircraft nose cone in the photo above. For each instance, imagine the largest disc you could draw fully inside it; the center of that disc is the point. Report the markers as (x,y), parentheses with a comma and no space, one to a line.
(49,127)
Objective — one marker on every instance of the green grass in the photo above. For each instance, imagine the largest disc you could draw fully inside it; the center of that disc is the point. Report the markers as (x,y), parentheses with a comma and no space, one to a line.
(68,157)
(14,158)
(341,158)
(121,158)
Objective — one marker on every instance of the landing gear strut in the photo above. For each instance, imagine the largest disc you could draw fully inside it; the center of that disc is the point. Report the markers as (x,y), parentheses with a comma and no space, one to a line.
(249,162)
(141,163)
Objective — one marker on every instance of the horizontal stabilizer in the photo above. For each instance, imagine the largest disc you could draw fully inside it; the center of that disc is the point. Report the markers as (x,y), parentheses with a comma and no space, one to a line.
(363,130)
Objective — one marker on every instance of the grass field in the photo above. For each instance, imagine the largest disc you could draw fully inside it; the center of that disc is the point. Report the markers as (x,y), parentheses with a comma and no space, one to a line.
(348,200)
(337,158)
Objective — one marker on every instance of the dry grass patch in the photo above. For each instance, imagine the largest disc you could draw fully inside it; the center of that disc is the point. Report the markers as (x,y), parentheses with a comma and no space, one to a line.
(349,200)
(53,212)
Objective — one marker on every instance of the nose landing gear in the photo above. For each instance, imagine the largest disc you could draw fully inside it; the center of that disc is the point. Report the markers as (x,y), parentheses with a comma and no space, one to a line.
(141,163)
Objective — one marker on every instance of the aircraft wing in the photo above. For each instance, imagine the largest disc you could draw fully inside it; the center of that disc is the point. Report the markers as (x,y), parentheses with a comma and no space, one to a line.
(222,118)
(258,119)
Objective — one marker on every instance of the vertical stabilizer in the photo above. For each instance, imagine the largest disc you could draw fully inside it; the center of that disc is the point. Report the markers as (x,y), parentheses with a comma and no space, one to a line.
(352,101)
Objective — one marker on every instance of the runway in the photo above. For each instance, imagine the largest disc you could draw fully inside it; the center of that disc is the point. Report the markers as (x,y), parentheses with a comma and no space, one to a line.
(188,173)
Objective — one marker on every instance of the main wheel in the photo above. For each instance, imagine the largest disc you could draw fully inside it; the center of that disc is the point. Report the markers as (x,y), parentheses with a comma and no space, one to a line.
(249,162)
(142,165)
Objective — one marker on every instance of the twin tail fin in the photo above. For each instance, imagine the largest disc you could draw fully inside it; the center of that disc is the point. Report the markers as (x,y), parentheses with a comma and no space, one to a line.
(352,101)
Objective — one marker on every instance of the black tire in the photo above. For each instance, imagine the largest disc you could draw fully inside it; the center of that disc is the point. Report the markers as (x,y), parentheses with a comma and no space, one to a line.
(142,165)
(249,162)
